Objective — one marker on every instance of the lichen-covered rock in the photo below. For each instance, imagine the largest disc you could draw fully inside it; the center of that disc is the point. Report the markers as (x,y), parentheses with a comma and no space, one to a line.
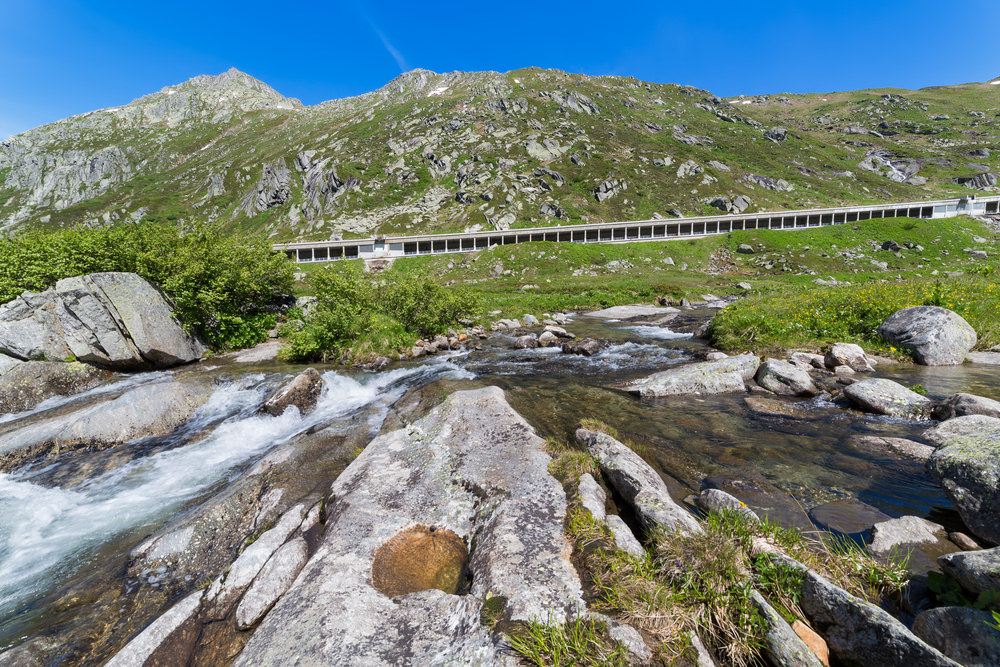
(471,467)
(934,336)
(963,634)
(717,500)
(152,409)
(976,571)
(638,484)
(886,397)
(29,383)
(961,405)
(785,379)
(113,320)
(706,377)
(302,391)
(901,446)
(968,468)
(592,496)
(957,427)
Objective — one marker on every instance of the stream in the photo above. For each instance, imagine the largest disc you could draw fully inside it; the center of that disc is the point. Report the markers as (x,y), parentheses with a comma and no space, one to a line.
(73,523)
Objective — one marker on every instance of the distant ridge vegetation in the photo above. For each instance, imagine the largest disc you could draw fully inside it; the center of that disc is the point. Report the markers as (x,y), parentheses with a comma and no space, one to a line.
(446,152)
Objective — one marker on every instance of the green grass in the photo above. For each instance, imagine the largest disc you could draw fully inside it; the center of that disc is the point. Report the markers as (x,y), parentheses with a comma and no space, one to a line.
(813,317)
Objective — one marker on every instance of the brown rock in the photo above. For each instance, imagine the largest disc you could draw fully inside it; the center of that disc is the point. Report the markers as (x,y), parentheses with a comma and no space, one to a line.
(813,641)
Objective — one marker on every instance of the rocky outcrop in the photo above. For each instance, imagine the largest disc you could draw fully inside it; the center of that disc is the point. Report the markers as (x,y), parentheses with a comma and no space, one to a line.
(977,571)
(471,471)
(153,646)
(638,484)
(785,378)
(963,634)
(113,320)
(968,468)
(152,409)
(29,383)
(707,377)
(302,391)
(934,336)
(886,397)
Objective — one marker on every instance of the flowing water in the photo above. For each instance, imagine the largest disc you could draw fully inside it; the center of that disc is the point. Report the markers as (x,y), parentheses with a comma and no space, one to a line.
(88,512)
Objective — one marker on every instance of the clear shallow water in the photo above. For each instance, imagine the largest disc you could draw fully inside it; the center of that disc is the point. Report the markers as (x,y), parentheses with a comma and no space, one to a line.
(48,532)
(55,521)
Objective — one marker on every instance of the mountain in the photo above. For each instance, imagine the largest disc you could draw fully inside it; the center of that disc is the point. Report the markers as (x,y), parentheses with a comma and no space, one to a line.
(435,152)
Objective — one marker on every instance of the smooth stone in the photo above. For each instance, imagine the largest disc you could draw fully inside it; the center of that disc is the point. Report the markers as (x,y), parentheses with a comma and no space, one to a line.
(775,407)
(889,536)
(963,634)
(990,358)
(812,639)
(961,405)
(847,354)
(976,571)
(717,500)
(847,516)
(964,542)
(627,637)
(624,538)
(785,379)
(528,342)
(638,483)
(592,496)
(630,312)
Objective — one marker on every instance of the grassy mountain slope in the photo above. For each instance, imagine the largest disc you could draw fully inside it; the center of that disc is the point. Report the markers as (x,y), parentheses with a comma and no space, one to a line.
(446,152)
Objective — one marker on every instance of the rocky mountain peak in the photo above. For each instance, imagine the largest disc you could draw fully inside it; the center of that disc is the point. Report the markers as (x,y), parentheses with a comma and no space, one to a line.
(232,88)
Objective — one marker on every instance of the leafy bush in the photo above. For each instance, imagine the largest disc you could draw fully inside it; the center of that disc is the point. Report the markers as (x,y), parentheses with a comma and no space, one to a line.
(226,289)
(358,318)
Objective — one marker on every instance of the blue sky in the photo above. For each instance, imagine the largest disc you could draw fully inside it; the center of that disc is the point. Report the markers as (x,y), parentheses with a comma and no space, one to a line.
(63,57)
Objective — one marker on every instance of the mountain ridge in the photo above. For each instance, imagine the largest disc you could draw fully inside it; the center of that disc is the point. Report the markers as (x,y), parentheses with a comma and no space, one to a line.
(445,152)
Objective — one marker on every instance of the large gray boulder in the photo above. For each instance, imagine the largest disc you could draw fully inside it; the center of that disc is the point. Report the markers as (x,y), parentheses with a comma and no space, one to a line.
(29,383)
(403,512)
(962,633)
(976,571)
(886,397)
(638,483)
(961,405)
(113,320)
(706,377)
(785,378)
(934,336)
(151,409)
(968,468)
(960,427)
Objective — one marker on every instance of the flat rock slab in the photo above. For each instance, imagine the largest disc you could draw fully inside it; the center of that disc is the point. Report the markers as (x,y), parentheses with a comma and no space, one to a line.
(258,353)
(706,377)
(472,468)
(147,644)
(886,397)
(990,358)
(957,427)
(631,312)
(152,409)
(638,483)
(900,446)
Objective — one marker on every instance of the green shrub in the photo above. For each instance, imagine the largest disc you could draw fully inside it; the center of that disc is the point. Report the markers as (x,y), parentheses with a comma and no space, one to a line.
(226,289)
(356,318)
